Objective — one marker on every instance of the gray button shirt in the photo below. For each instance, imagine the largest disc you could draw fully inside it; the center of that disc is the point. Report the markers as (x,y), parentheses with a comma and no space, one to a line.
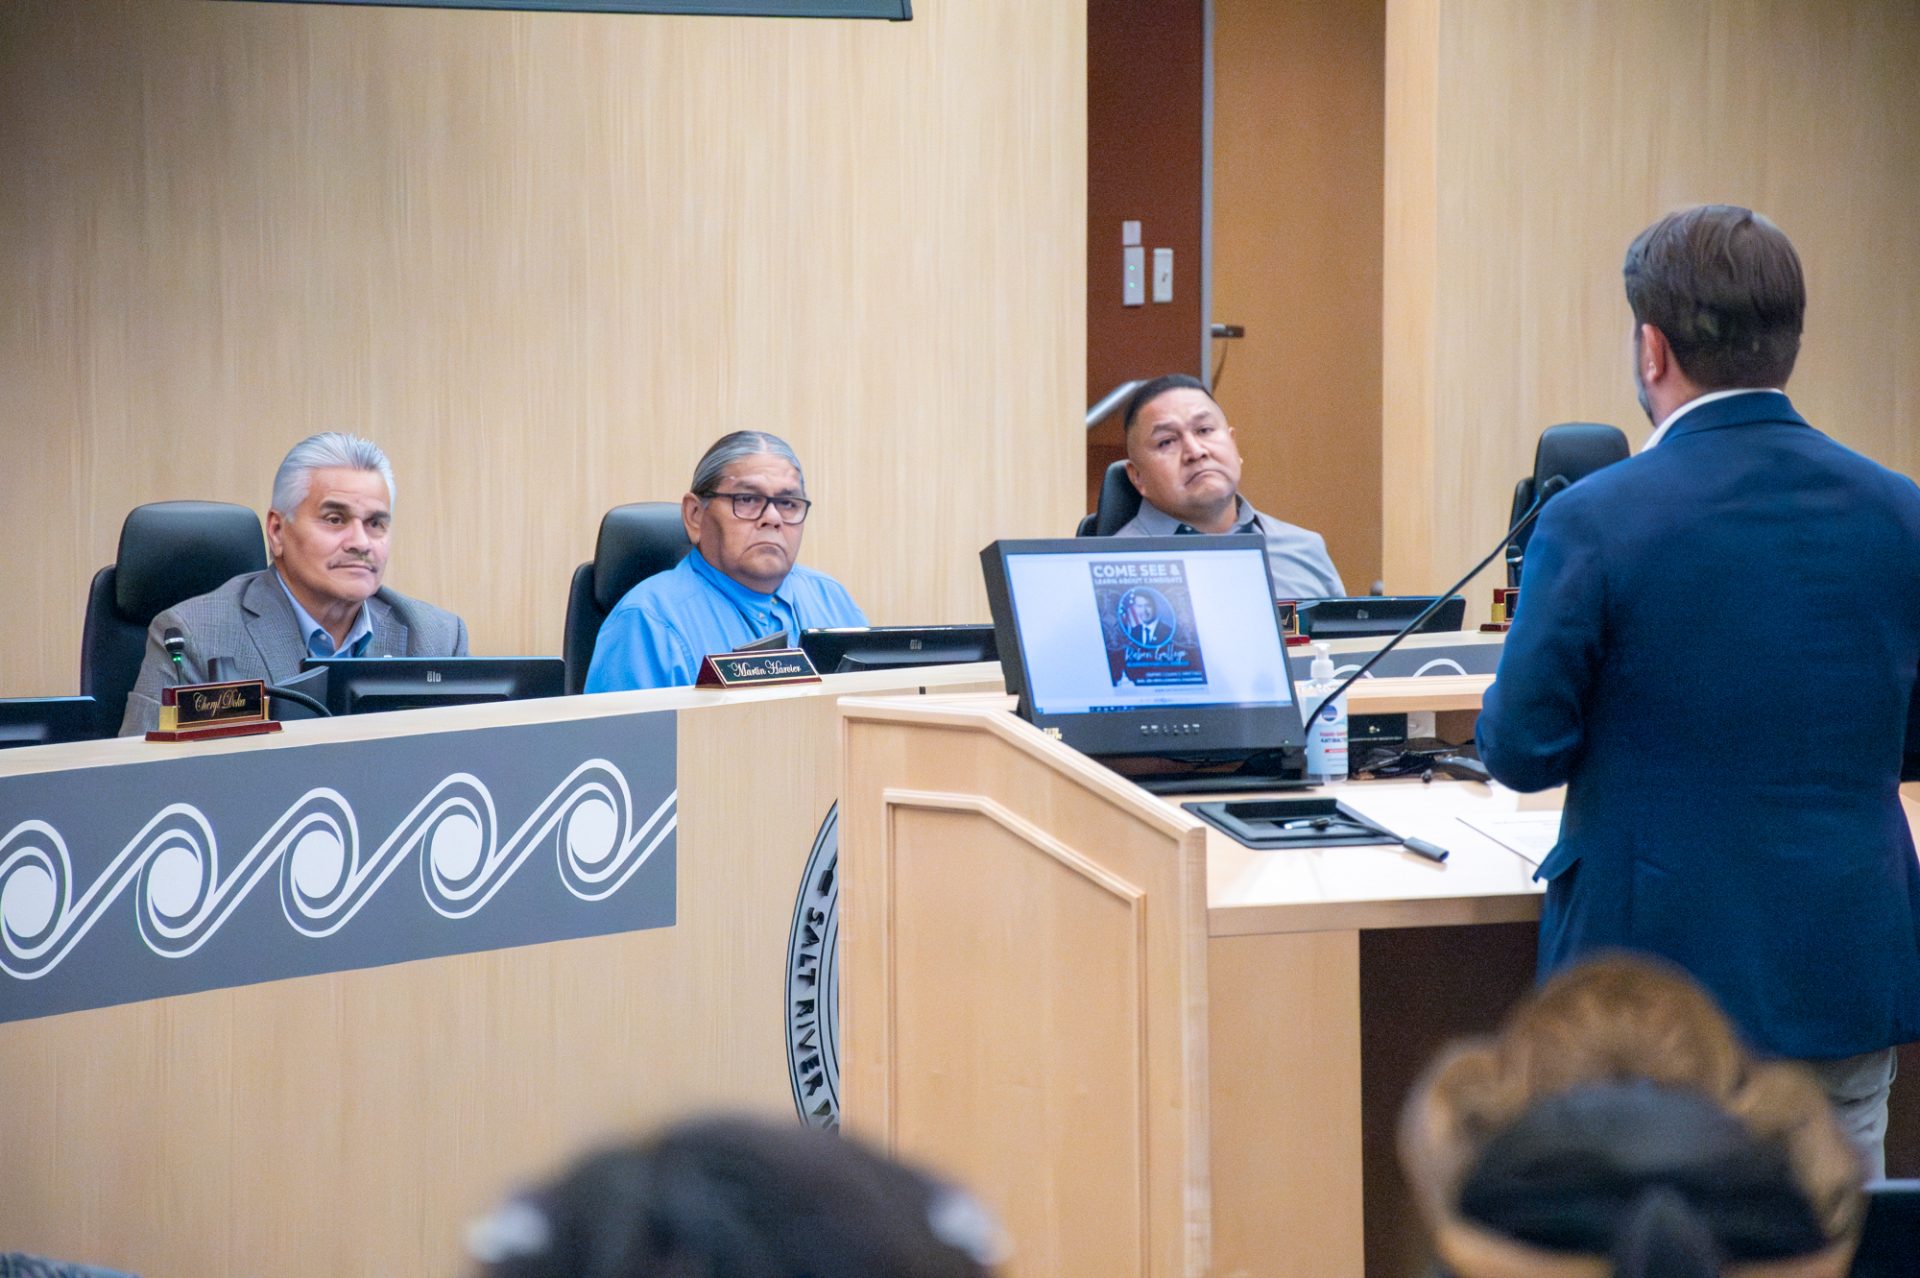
(1296,557)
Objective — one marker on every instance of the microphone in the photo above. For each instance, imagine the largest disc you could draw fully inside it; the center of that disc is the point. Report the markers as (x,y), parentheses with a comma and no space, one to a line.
(176,645)
(1553,487)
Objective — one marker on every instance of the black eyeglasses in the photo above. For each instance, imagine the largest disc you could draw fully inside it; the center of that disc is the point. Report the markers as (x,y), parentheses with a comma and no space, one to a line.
(792,510)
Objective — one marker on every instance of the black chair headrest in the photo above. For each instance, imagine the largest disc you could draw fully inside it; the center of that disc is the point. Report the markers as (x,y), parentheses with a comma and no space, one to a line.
(1119,501)
(174,550)
(1576,450)
(636,541)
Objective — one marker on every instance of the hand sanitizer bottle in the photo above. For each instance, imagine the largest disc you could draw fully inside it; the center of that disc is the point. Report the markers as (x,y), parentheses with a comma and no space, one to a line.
(1327,734)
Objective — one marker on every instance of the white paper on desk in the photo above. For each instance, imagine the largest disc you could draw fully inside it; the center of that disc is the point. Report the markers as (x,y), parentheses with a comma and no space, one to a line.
(1531,834)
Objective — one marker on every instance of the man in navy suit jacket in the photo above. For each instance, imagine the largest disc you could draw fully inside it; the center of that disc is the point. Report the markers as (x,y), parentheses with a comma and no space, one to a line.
(1716,651)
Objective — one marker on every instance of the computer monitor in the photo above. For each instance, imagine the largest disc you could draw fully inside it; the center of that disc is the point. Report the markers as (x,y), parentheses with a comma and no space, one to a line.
(848,648)
(1148,646)
(369,685)
(1377,615)
(31,721)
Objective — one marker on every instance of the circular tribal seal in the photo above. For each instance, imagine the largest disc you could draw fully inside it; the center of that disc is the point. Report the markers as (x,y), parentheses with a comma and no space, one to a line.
(813,982)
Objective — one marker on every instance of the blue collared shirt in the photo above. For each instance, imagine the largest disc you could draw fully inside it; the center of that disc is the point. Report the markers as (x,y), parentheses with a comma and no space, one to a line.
(657,634)
(319,642)
(1296,558)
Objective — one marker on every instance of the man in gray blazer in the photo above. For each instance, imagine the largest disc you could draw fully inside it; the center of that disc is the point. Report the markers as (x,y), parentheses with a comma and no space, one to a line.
(327,534)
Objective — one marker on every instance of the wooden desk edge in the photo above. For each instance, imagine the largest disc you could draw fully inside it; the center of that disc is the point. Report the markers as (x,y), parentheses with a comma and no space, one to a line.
(1361,916)
(128,751)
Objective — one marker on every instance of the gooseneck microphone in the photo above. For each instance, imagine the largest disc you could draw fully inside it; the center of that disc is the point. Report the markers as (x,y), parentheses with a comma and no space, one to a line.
(176,645)
(1552,487)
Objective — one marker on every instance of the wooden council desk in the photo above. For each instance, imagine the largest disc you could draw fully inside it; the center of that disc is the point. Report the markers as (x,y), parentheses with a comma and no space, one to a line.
(301,1004)
(1156,1052)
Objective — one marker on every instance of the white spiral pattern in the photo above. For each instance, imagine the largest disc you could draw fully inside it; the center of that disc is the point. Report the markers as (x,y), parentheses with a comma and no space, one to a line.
(182,898)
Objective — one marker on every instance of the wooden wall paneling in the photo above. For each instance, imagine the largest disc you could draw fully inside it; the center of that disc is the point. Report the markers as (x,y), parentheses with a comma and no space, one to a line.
(1529,143)
(544,259)
(1298,141)
(1408,266)
(1285,1090)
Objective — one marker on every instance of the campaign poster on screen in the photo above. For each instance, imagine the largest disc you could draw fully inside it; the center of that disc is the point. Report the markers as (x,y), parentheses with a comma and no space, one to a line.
(1146,619)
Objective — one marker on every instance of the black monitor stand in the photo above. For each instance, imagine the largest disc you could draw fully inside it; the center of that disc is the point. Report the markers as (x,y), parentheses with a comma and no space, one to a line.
(1267,770)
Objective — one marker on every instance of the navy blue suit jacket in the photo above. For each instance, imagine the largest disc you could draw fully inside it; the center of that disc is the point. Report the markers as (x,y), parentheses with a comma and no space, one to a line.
(1716,650)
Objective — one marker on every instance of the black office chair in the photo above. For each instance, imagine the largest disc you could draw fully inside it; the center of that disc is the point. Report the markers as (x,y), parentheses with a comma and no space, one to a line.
(636,541)
(1573,449)
(1890,1239)
(1119,503)
(169,551)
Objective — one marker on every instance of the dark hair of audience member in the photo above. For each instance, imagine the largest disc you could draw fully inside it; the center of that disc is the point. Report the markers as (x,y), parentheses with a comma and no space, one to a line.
(1724,286)
(1616,1125)
(730,1197)
(1152,390)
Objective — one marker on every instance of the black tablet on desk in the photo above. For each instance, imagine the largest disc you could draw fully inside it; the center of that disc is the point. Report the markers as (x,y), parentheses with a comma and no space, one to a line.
(366,685)
(847,648)
(1377,615)
(31,721)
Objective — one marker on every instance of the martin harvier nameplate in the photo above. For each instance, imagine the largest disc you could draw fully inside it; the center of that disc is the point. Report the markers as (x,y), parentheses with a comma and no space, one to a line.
(740,669)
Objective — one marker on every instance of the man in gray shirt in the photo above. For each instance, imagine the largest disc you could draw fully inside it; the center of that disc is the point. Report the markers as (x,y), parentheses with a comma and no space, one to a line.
(1182,458)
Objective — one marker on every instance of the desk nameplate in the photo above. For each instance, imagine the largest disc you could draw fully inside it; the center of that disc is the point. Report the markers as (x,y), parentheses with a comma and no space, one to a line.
(746,669)
(190,712)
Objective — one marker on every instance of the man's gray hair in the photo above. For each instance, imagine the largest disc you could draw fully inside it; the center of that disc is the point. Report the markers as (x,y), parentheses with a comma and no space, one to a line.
(731,448)
(327,451)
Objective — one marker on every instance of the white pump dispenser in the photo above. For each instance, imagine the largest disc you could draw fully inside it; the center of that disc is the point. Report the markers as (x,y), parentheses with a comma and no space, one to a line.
(1327,733)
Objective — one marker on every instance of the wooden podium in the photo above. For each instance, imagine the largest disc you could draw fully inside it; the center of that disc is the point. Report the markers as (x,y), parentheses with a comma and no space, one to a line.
(1154,1051)
(1141,1041)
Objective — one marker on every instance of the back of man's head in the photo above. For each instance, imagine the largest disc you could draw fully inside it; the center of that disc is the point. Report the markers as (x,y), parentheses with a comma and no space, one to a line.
(743,1197)
(1723,285)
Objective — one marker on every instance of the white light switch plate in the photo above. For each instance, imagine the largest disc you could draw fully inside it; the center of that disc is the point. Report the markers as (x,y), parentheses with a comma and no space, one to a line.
(1133,276)
(1163,275)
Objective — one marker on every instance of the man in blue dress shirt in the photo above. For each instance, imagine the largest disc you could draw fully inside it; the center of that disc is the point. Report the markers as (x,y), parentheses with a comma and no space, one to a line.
(744,514)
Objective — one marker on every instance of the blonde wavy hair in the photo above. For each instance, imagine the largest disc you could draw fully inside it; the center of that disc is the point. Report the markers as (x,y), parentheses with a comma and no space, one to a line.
(1617,1019)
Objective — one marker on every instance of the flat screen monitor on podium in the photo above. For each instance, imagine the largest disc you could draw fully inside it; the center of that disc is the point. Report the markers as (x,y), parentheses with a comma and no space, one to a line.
(1151,646)
(841,649)
(368,685)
